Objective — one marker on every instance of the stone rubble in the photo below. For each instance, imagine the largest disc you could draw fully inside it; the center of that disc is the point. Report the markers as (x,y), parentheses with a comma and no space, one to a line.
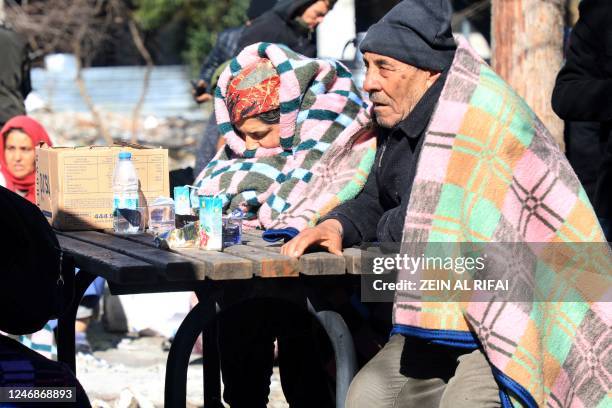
(177,134)
(128,371)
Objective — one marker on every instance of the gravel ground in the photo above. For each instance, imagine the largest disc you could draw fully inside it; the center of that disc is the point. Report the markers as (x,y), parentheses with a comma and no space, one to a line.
(128,371)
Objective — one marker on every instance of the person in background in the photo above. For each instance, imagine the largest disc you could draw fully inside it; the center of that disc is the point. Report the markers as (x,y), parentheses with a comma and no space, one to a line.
(15,82)
(581,138)
(224,49)
(583,92)
(290,22)
(19,138)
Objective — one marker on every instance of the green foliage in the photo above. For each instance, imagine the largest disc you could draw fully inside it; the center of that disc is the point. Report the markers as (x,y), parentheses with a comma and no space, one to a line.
(203,19)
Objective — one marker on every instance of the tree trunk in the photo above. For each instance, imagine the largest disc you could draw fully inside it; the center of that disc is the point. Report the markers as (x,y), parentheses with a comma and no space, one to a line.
(142,49)
(527,39)
(80,82)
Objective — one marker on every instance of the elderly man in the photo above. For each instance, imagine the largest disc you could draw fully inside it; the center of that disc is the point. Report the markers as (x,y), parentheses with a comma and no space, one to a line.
(404,78)
(462,159)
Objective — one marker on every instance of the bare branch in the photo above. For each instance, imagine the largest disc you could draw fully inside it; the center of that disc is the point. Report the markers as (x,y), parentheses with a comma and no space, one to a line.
(83,89)
(79,27)
(137,38)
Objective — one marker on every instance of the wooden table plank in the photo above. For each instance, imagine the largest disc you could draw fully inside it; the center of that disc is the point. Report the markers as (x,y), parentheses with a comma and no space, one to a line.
(111,265)
(215,265)
(367,259)
(220,265)
(315,263)
(170,265)
(322,263)
(267,264)
(352,259)
(144,239)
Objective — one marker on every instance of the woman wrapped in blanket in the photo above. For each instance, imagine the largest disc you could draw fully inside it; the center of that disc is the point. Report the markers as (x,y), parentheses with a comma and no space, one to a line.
(297,143)
(297,139)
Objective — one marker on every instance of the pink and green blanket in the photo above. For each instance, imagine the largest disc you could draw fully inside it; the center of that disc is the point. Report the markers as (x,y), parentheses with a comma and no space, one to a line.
(326,146)
(490,172)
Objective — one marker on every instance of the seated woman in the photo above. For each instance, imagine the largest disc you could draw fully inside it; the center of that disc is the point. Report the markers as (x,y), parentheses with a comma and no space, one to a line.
(297,143)
(18,139)
(298,139)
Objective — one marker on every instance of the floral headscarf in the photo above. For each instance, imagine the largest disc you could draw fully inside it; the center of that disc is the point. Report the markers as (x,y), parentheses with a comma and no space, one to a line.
(253,91)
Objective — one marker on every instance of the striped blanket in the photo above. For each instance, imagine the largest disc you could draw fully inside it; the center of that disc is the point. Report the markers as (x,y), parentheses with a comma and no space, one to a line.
(325,153)
(490,172)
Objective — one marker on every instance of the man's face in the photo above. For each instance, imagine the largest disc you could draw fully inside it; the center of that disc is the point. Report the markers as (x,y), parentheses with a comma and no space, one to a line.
(314,15)
(394,87)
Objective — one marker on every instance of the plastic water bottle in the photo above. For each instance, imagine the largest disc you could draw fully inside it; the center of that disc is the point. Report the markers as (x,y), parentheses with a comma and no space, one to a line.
(125,196)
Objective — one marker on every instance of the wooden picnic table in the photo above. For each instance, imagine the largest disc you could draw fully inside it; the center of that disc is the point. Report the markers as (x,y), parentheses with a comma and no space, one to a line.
(132,264)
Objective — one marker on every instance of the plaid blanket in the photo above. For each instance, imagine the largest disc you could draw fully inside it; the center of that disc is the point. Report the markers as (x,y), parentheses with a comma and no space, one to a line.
(490,172)
(42,341)
(326,146)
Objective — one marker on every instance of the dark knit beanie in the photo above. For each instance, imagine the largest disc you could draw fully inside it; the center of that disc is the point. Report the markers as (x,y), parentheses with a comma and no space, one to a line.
(417,32)
(258,7)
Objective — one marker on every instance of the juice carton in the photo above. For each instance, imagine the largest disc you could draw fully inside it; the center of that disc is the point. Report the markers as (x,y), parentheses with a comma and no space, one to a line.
(211,223)
(182,205)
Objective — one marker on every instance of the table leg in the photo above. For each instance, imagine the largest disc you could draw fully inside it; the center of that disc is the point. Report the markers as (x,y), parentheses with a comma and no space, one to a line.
(210,364)
(65,323)
(175,394)
(344,350)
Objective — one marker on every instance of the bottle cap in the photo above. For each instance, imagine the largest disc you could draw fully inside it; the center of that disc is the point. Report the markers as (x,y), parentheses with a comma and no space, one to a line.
(125,155)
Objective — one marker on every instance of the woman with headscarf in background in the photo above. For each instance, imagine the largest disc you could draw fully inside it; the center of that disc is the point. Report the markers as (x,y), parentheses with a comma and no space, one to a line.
(18,140)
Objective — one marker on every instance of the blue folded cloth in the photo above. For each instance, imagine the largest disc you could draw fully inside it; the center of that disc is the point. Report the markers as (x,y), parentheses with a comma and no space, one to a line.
(273,235)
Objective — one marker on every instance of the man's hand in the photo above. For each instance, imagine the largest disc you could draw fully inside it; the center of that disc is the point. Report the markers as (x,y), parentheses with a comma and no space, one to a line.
(328,234)
(199,91)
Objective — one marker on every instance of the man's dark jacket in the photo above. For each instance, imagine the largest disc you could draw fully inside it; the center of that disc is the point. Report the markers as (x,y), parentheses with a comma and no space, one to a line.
(378,212)
(280,26)
(14,74)
(583,91)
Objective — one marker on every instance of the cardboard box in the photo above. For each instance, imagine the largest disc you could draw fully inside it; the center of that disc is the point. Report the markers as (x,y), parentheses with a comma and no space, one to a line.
(74,184)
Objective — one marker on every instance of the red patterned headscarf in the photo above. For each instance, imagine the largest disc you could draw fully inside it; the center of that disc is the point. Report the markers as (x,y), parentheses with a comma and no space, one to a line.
(253,91)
